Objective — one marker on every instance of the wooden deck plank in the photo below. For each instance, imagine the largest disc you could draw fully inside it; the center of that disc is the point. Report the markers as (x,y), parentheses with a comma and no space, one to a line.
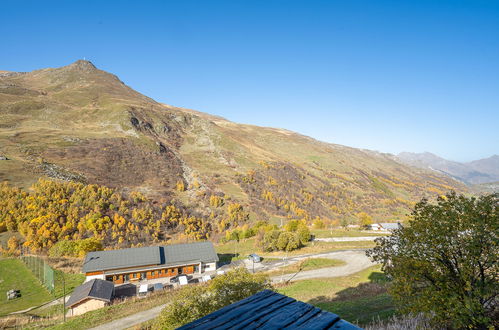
(323,320)
(286,316)
(270,310)
(265,297)
(247,321)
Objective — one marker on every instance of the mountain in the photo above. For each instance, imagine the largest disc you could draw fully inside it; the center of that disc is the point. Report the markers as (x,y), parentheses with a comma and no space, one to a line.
(475,172)
(489,166)
(83,124)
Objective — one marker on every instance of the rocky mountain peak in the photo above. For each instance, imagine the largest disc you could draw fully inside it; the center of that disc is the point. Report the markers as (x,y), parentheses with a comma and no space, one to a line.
(83,65)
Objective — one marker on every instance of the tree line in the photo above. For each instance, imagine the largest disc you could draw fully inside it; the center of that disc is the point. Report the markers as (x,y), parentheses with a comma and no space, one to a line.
(86,216)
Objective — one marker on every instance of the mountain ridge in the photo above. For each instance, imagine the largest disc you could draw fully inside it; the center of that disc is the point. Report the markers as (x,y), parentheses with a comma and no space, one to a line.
(81,123)
(479,171)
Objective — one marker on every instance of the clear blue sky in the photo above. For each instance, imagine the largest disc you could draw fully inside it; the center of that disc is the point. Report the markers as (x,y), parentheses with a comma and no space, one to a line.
(385,75)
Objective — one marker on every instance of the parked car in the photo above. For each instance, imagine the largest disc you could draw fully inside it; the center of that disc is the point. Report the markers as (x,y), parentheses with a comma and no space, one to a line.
(176,279)
(254,257)
(157,286)
(143,290)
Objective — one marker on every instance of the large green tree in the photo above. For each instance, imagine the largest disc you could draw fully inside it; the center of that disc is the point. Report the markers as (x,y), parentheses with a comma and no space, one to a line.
(444,261)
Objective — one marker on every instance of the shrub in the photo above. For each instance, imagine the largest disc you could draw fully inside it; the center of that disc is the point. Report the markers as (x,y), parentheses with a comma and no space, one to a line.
(276,240)
(303,234)
(283,240)
(318,224)
(75,248)
(270,240)
(292,225)
(64,249)
(364,219)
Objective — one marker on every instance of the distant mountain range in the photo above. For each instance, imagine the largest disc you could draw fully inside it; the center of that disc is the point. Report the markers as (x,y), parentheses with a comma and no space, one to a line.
(476,172)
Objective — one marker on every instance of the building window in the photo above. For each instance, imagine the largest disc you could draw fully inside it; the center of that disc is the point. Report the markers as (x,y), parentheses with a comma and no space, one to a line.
(144,276)
(127,277)
(196,268)
(180,270)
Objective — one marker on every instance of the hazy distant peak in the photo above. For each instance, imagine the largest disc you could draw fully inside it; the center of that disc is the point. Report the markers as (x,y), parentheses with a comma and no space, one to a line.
(475,172)
(424,157)
(488,165)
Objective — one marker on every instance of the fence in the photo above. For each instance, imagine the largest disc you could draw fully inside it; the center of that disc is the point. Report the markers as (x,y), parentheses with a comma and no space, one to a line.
(41,270)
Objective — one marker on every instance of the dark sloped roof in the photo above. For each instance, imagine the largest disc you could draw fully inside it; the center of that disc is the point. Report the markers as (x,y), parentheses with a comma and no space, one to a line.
(155,255)
(270,310)
(114,259)
(96,289)
(190,252)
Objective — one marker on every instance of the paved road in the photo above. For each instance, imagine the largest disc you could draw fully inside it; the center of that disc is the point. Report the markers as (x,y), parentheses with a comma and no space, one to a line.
(132,320)
(356,260)
(347,239)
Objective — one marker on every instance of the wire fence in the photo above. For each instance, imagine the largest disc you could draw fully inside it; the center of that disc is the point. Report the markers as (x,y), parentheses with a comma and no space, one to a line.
(41,270)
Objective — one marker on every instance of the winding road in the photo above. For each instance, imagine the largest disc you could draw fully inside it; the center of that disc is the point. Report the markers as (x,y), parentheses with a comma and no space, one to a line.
(355,261)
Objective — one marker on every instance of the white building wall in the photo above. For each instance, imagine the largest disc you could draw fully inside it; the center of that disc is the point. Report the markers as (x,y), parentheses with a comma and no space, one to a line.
(211,266)
(91,277)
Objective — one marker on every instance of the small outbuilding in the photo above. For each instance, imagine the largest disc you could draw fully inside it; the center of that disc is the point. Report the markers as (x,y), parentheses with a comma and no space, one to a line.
(389,226)
(384,226)
(89,296)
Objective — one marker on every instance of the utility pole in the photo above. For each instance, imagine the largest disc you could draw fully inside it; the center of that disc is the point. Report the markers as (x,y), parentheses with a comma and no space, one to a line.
(285,263)
(64,296)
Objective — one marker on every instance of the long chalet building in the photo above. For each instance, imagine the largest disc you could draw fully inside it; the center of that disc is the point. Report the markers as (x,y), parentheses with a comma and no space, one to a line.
(135,264)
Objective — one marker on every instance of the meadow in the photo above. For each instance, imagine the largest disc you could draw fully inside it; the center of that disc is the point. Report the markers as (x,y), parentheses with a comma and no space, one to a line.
(15,275)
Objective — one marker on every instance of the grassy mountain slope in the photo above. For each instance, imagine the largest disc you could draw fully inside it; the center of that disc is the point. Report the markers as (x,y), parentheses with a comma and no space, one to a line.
(272,168)
(80,123)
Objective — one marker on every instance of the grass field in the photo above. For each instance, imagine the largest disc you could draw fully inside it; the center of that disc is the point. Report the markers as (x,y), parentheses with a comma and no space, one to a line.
(358,298)
(307,264)
(72,281)
(15,275)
